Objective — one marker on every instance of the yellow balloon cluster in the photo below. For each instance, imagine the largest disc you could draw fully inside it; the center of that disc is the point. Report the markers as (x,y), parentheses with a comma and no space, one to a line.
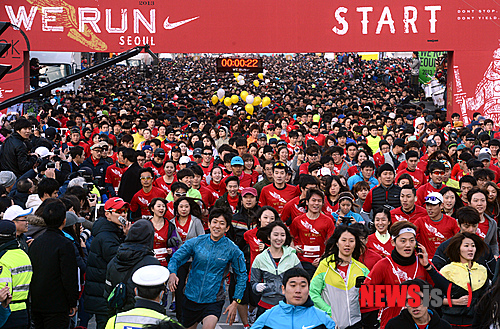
(228,101)
(234,99)
(244,95)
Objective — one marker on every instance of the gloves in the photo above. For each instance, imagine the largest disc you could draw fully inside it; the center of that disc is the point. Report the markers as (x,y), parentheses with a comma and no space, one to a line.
(260,287)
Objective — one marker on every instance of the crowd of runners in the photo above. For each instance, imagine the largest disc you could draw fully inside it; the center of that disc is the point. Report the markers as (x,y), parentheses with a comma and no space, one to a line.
(149,191)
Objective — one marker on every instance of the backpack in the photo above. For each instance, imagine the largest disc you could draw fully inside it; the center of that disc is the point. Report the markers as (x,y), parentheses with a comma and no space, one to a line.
(118,296)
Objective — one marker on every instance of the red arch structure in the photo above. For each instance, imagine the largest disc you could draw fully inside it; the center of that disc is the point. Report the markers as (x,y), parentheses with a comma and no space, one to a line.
(468,29)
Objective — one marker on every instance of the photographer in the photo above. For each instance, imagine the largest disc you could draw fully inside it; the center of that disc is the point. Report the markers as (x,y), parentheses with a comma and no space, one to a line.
(77,156)
(345,213)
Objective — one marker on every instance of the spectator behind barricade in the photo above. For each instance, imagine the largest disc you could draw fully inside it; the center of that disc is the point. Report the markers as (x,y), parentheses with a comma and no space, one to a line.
(24,187)
(97,163)
(7,180)
(47,188)
(108,233)
(135,252)
(15,155)
(55,270)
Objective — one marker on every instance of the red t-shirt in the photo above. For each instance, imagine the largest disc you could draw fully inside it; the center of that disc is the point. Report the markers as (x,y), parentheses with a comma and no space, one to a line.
(482,229)
(160,183)
(207,196)
(183,229)
(370,258)
(398,214)
(353,170)
(379,159)
(292,210)
(250,237)
(247,180)
(431,234)
(424,191)
(160,244)
(114,175)
(320,139)
(387,272)
(383,249)
(157,170)
(311,235)
(418,176)
(141,200)
(342,270)
(218,190)
(277,198)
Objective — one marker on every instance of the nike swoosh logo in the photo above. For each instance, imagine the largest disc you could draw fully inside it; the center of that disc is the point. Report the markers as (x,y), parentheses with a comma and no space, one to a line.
(171,26)
(304,327)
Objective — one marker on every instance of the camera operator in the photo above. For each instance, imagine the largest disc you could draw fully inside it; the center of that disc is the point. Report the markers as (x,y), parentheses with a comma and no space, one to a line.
(96,163)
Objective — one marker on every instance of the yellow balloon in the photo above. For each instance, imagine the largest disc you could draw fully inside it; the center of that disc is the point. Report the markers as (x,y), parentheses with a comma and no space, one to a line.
(236,75)
(261,75)
(256,101)
(227,101)
(266,101)
(235,99)
(244,95)
(215,99)
(256,83)
(249,109)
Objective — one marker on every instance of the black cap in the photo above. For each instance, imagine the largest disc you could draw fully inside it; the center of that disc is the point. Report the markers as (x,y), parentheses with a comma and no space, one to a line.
(7,229)
(159,152)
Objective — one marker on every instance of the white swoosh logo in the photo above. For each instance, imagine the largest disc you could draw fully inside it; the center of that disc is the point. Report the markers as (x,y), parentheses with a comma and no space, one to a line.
(171,26)
(308,327)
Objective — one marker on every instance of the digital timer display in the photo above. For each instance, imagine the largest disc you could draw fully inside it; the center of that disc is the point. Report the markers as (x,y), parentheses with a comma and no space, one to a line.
(252,65)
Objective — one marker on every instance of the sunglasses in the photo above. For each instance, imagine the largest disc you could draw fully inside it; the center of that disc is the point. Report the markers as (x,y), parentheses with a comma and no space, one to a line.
(146,178)
(431,198)
(210,154)
(120,212)
(279,165)
(180,194)
(439,173)
(314,155)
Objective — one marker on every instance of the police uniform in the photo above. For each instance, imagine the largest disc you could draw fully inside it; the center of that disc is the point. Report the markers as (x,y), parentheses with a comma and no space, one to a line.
(15,268)
(146,311)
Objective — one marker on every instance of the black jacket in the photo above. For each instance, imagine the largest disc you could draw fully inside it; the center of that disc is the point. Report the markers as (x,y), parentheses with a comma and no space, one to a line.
(99,170)
(130,183)
(54,285)
(242,222)
(15,155)
(382,196)
(107,238)
(134,253)
(486,259)
(405,321)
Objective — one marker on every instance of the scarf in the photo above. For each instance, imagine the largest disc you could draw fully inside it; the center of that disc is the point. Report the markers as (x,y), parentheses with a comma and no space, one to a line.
(403,261)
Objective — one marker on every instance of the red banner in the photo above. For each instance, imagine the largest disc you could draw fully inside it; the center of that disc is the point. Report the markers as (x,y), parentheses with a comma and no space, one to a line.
(470,30)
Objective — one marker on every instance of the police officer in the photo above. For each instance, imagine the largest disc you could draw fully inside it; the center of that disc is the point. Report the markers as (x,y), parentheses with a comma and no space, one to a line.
(16,272)
(151,285)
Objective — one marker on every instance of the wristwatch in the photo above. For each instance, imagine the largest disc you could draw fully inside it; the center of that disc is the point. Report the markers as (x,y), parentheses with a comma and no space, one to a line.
(238,301)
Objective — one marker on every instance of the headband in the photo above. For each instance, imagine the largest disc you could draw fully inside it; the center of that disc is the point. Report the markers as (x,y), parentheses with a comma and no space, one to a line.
(405,230)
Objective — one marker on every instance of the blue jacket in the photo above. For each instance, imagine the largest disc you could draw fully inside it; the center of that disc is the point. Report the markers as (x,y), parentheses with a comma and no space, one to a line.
(287,316)
(210,266)
(358,178)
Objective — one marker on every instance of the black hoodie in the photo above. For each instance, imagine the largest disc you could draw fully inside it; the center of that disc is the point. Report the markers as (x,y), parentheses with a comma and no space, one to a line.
(405,321)
(134,253)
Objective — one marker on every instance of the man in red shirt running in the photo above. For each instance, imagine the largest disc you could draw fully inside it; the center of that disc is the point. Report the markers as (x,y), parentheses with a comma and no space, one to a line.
(436,227)
(142,199)
(292,208)
(279,192)
(436,172)
(415,173)
(311,230)
(409,210)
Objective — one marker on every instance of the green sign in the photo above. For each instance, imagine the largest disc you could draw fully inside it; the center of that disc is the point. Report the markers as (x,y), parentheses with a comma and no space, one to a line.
(428,64)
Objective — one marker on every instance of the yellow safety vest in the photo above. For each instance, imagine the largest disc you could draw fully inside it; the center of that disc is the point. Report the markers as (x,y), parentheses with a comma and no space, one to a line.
(16,270)
(136,318)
